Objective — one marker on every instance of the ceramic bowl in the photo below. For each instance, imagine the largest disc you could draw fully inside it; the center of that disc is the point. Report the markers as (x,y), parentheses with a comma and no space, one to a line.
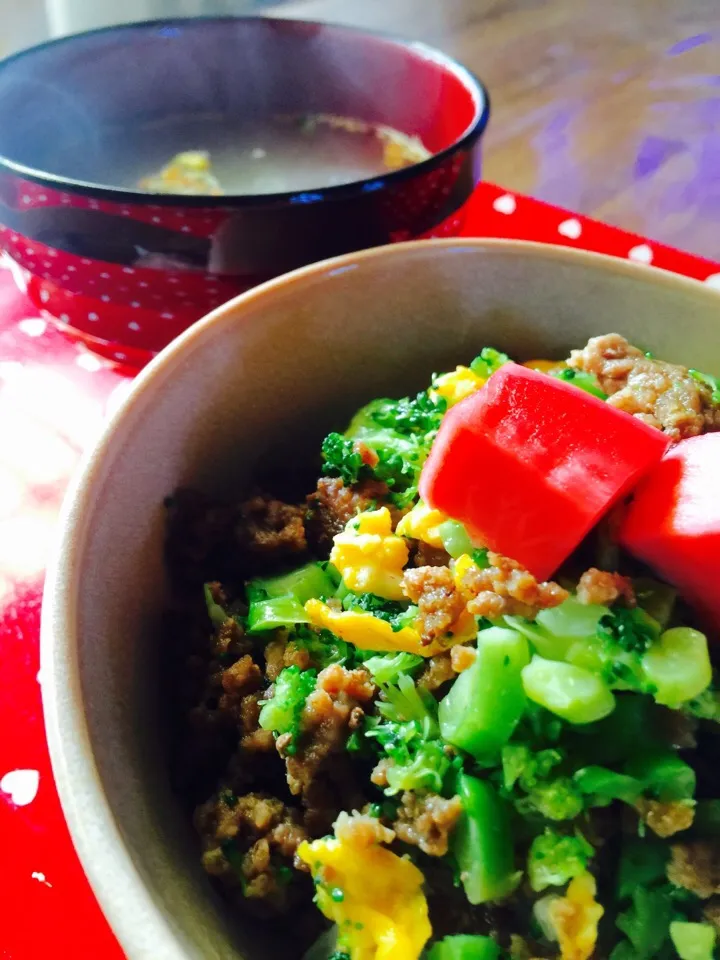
(82,117)
(269,374)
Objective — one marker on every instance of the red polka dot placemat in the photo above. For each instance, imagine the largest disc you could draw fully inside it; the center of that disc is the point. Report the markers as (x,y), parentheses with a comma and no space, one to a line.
(54,398)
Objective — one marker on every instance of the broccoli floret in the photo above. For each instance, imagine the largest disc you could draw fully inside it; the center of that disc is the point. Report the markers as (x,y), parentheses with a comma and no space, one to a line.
(408,735)
(399,432)
(709,381)
(418,765)
(527,780)
(706,706)
(388,669)
(341,459)
(488,362)
(646,923)
(417,416)
(217,614)
(282,712)
(633,631)
(554,858)
(404,702)
(323,646)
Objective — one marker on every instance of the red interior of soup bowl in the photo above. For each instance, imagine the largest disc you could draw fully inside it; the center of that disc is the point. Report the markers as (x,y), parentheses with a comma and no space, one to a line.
(130,270)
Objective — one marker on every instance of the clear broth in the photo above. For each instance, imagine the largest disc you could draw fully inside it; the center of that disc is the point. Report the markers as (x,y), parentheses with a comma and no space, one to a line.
(282,154)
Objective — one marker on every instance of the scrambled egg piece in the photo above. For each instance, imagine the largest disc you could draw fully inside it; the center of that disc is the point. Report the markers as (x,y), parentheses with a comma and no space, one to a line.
(457,385)
(369,556)
(367,632)
(546,366)
(575,918)
(374,896)
(460,567)
(422,523)
(187,173)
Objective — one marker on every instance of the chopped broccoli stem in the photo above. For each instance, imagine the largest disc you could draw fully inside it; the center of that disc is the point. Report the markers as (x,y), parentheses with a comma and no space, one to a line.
(554,858)
(282,713)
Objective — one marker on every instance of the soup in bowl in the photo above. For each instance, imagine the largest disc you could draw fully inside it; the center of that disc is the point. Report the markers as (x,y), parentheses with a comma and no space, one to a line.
(482,716)
(149,172)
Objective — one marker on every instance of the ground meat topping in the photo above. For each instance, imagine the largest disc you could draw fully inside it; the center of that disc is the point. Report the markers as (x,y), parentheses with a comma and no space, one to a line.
(663,395)
(507,588)
(333,505)
(711,912)
(695,867)
(246,835)
(603,588)
(269,526)
(462,658)
(280,653)
(361,830)
(610,358)
(666,819)
(423,555)
(439,602)
(329,714)
(439,670)
(427,822)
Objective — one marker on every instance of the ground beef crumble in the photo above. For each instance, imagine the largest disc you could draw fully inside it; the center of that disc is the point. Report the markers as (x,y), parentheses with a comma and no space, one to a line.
(505,587)
(245,840)
(333,504)
(666,819)
(330,712)
(663,395)
(603,588)
(438,671)
(269,526)
(695,867)
(439,603)
(427,822)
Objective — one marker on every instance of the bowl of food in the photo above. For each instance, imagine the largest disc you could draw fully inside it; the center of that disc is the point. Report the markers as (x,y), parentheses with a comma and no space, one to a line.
(424,675)
(150,172)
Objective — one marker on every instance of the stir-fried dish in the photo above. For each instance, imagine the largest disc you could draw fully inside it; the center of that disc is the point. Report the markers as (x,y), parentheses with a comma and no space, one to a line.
(459,703)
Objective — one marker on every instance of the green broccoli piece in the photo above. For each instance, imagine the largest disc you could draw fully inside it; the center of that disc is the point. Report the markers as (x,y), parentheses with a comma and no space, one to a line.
(399,432)
(417,416)
(404,702)
(387,669)
(706,706)
(633,631)
(283,711)
(646,922)
(528,782)
(488,362)
(415,764)
(323,646)
(341,459)
(408,736)
(217,614)
(584,381)
(555,858)
(708,380)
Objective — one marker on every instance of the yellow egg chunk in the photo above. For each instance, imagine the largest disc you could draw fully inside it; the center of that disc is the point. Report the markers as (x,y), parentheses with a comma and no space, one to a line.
(374,896)
(461,567)
(369,556)
(422,523)
(367,632)
(546,366)
(575,918)
(457,385)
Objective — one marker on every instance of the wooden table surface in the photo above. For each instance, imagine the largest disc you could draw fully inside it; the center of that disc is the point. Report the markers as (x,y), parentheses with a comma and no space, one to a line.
(608,107)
